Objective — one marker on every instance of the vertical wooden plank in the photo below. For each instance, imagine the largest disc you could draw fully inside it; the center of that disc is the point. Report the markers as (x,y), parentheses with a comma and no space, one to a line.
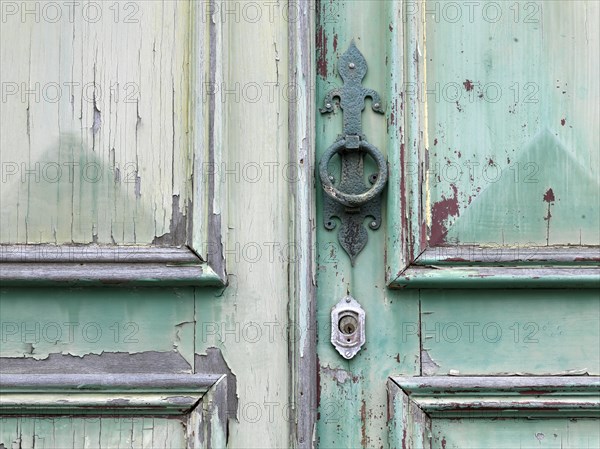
(400,170)
(9,431)
(397,416)
(92,428)
(45,433)
(303,353)
(110,432)
(25,433)
(147,432)
(176,435)
(354,390)
(251,129)
(64,433)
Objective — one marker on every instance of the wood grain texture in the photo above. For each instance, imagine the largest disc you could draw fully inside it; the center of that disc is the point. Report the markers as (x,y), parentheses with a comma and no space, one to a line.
(463,184)
(37,322)
(92,432)
(352,409)
(578,433)
(303,352)
(249,320)
(511,101)
(498,276)
(119,394)
(98,130)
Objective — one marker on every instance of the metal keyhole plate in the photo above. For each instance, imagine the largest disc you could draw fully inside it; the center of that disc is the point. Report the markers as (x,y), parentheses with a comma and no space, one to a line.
(347,327)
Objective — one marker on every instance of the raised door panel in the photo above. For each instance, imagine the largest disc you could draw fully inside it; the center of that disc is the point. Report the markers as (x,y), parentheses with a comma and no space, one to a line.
(107,144)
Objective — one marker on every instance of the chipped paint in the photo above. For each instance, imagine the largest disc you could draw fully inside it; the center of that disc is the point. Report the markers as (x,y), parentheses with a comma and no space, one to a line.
(548,198)
(440,213)
(101,160)
(539,144)
(321,48)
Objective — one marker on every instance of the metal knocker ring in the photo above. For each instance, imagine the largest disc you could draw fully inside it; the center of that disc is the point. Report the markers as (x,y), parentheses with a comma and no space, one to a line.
(347,199)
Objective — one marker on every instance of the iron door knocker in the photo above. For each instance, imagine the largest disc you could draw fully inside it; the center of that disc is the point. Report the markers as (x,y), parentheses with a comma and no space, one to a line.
(351,200)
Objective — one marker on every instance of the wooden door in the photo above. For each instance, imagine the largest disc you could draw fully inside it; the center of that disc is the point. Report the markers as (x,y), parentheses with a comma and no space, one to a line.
(480,289)
(152,169)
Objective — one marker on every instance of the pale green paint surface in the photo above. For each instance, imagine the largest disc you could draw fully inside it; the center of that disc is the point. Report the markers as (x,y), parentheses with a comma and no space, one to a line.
(95,130)
(92,433)
(37,322)
(489,332)
(515,433)
(568,321)
(248,320)
(512,113)
(251,129)
(352,394)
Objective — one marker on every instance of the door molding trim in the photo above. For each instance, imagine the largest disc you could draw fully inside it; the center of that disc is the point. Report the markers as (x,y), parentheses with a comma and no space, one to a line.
(35,265)
(302,316)
(199,399)
(102,394)
(410,262)
(414,401)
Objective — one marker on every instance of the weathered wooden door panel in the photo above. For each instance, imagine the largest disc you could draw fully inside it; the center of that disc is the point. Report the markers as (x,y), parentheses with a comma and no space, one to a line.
(85,142)
(488,270)
(494,411)
(131,136)
(39,323)
(500,332)
(508,433)
(511,97)
(88,433)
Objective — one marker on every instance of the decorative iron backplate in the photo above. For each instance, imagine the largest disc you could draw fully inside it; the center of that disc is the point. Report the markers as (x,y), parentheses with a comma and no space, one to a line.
(350,199)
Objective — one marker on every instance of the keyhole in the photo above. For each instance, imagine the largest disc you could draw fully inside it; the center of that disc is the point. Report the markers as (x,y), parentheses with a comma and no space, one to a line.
(348,324)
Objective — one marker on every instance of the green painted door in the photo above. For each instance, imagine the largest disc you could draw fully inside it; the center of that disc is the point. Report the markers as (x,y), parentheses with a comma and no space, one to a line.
(481,287)
(168,270)
(147,209)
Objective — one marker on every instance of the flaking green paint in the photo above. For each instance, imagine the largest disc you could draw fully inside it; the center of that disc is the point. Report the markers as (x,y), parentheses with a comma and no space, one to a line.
(352,395)
(394,45)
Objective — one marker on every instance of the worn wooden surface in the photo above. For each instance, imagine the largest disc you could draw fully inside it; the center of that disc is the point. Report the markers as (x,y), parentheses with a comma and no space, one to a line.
(303,351)
(512,105)
(92,433)
(38,322)
(491,332)
(510,433)
(245,111)
(248,320)
(352,394)
(484,411)
(259,334)
(393,36)
(95,137)
(102,394)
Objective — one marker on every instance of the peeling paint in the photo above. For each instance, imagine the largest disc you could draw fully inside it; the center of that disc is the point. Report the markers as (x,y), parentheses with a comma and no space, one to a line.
(440,212)
(104,174)
(341,376)
(321,47)
(548,198)
(429,366)
(213,363)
